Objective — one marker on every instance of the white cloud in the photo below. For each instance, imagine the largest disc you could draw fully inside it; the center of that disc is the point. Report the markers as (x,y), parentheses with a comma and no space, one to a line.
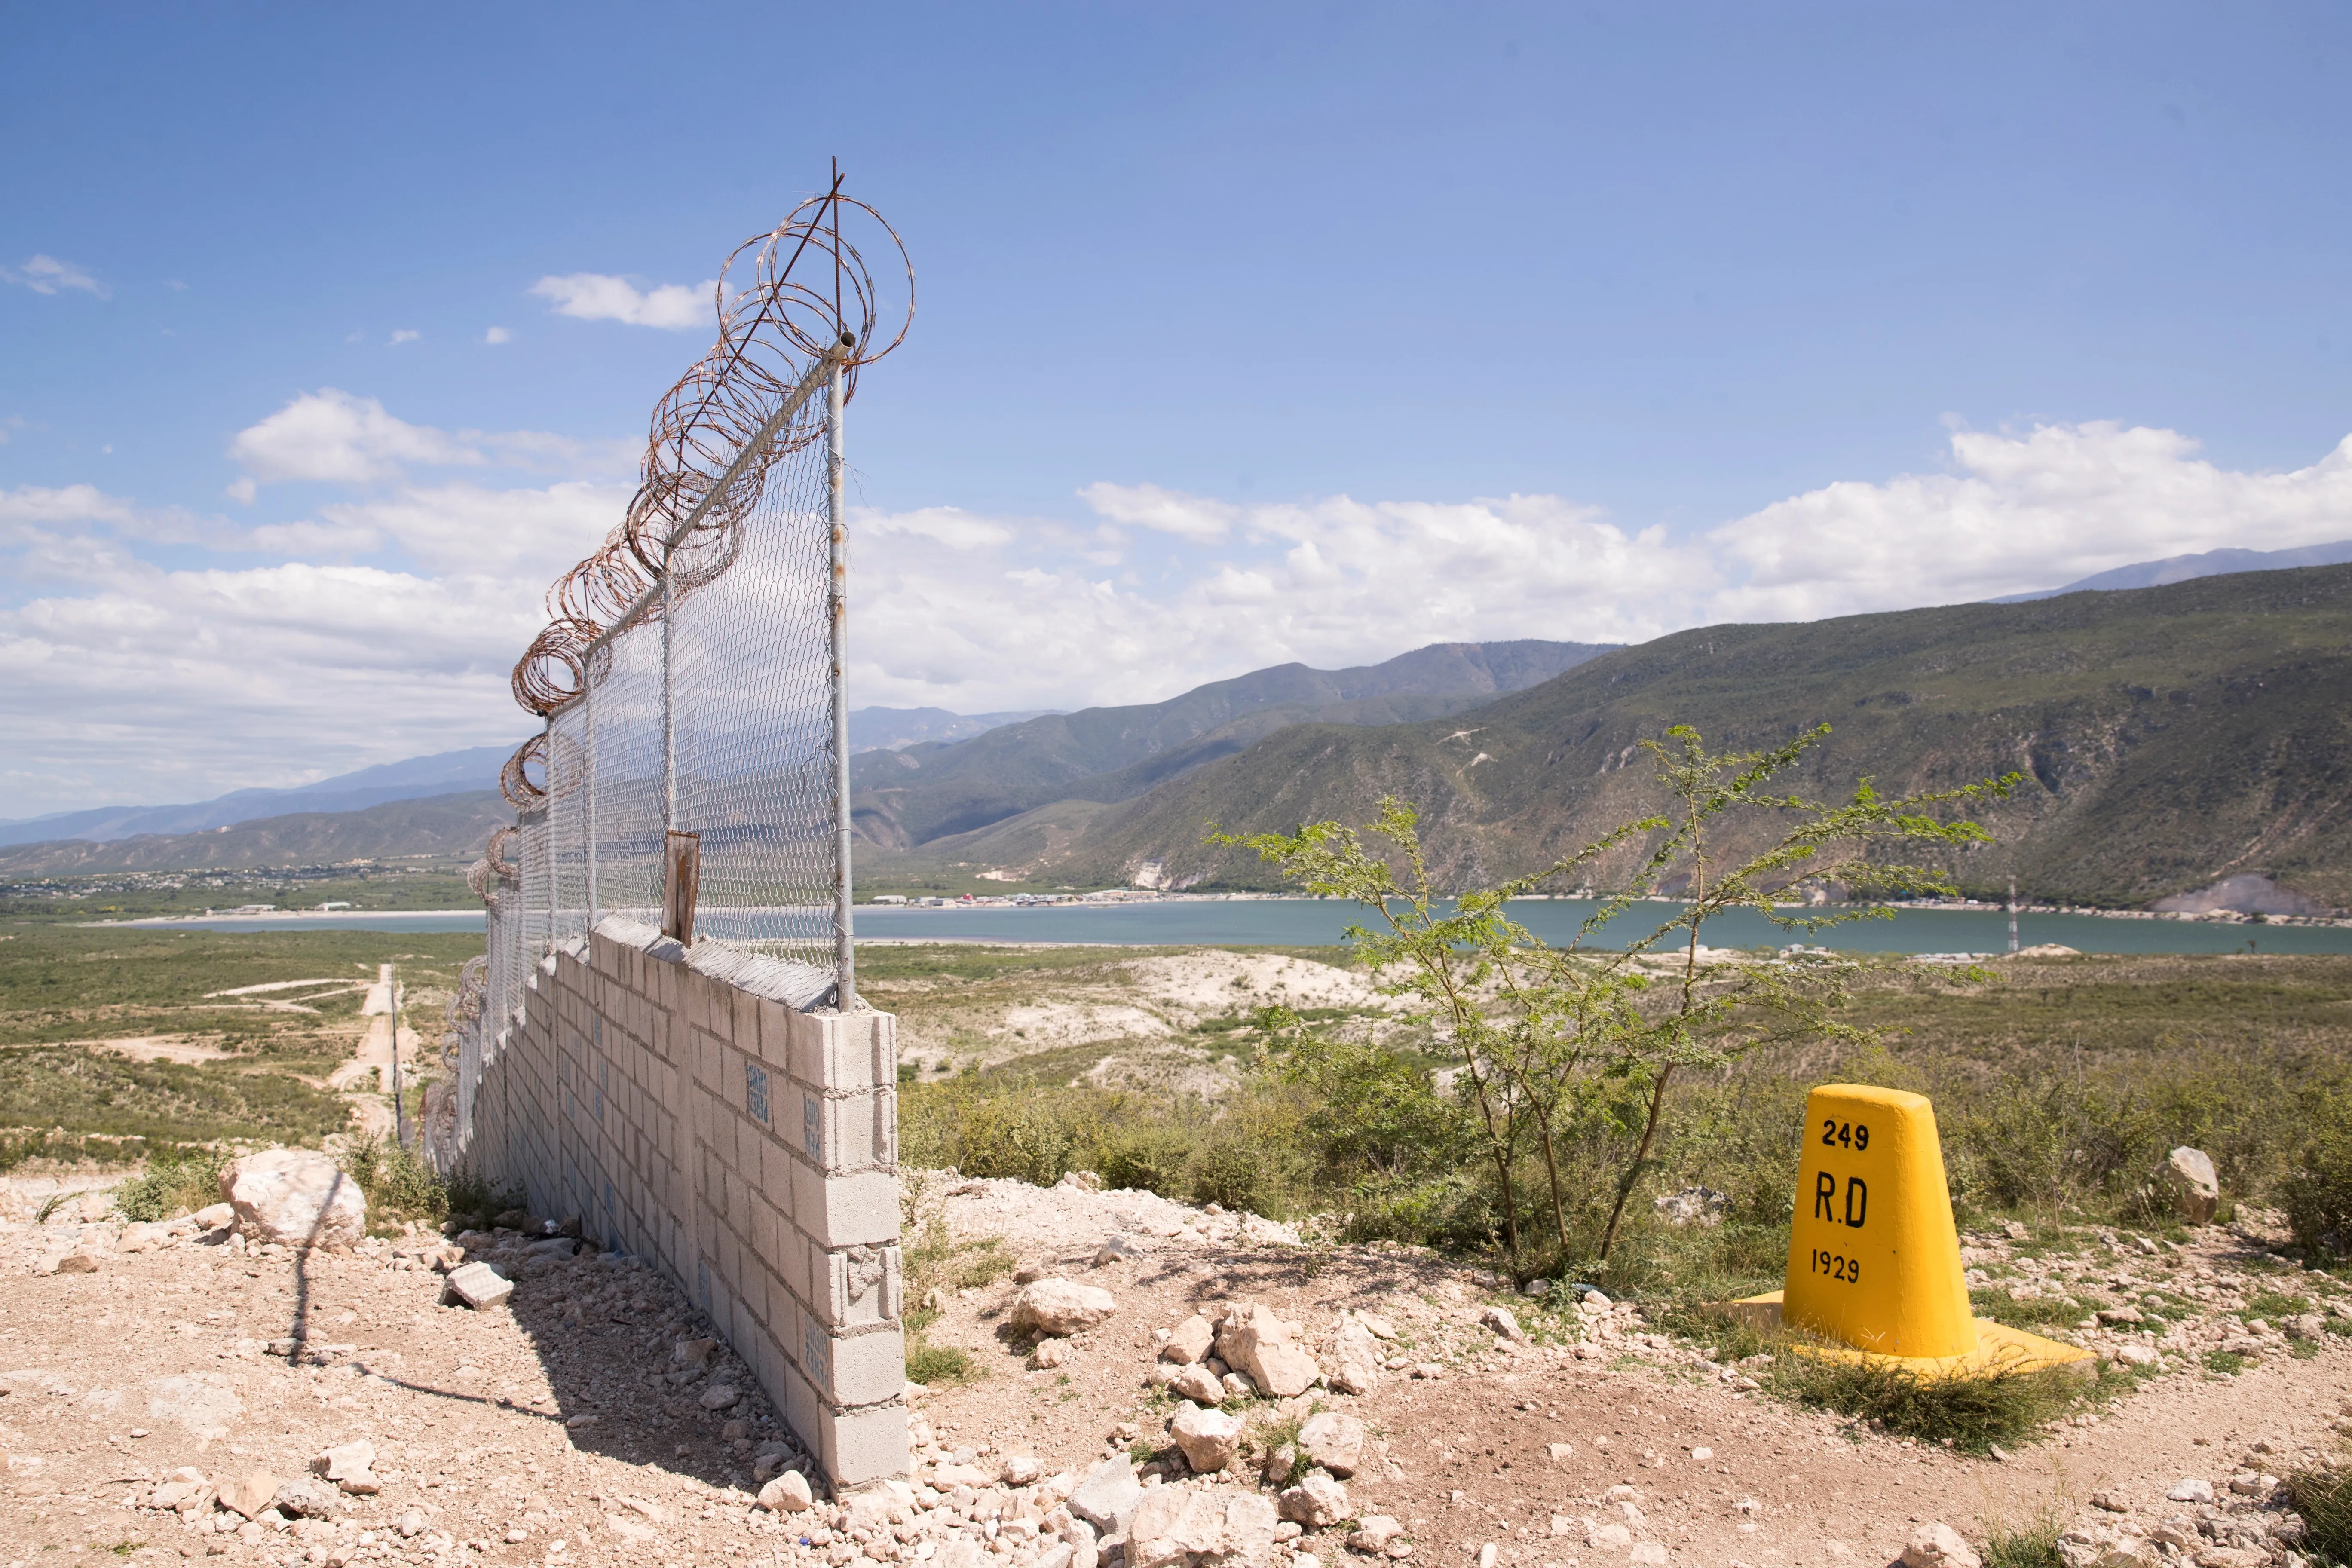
(1168,511)
(597,297)
(955,612)
(498,335)
(402,335)
(123,679)
(333,437)
(46,275)
(2018,513)
(120,680)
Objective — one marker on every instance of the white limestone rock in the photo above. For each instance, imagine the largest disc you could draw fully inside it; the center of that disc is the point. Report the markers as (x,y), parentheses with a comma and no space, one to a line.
(1334,1441)
(1316,1502)
(1107,1497)
(788,1493)
(1354,1360)
(1193,1527)
(1198,1384)
(296,1198)
(1208,1438)
(1189,1341)
(2187,1178)
(1937,1545)
(1260,1344)
(1061,1307)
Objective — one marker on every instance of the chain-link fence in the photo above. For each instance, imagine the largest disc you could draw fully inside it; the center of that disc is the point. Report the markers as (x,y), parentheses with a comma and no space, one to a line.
(690,675)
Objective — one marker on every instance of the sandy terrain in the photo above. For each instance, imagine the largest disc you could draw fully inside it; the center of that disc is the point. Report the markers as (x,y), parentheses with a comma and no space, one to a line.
(569,1428)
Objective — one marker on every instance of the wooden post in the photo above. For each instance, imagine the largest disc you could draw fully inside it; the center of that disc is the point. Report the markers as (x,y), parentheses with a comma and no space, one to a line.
(681,881)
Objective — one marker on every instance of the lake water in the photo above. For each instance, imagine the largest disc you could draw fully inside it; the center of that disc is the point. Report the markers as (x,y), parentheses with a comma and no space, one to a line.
(1307,923)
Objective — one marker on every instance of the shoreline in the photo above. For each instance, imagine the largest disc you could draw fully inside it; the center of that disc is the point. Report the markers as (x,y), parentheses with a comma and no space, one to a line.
(1067,902)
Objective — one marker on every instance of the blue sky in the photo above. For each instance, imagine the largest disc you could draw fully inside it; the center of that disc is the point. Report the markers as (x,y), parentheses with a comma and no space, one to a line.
(1247,333)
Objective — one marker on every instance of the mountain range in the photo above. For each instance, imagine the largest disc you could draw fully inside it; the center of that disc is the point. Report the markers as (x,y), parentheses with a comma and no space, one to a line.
(906,797)
(443,805)
(2164,738)
(2182,568)
(418,778)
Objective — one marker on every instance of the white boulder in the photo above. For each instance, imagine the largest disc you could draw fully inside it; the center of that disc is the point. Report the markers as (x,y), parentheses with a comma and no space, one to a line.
(1354,1359)
(297,1197)
(1107,1497)
(1334,1441)
(1937,1545)
(1208,1438)
(1316,1502)
(1190,1527)
(1198,1384)
(1189,1341)
(2188,1179)
(1061,1307)
(788,1493)
(1260,1344)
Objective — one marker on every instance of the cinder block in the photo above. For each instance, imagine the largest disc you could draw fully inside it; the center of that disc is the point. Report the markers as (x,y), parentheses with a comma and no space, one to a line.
(845,1210)
(847,1133)
(862,1286)
(776,1162)
(837,1051)
(869,1366)
(799,1402)
(765,1229)
(776,1023)
(858,1448)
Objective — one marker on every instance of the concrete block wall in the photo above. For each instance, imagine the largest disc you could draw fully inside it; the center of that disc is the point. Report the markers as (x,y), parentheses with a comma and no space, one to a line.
(691,1110)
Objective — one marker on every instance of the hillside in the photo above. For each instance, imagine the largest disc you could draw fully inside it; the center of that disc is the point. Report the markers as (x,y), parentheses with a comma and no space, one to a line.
(415,778)
(2166,737)
(445,825)
(909,796)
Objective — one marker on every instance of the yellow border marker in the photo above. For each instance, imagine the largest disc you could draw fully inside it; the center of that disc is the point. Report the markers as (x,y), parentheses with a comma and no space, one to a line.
(1873,1257)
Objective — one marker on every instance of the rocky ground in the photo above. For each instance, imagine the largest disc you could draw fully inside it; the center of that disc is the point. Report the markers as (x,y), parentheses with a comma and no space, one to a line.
(168,1390)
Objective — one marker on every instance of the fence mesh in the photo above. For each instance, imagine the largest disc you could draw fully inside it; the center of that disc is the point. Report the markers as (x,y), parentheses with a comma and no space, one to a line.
(687,674)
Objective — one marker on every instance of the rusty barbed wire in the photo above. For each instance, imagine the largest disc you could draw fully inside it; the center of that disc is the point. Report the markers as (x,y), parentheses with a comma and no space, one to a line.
(778,322)
(465,1001)
(515,781)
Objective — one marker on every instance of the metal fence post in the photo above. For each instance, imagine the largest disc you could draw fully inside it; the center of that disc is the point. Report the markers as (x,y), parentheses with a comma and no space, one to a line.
(547,844)
(670,712)
(845,951)
(588,778)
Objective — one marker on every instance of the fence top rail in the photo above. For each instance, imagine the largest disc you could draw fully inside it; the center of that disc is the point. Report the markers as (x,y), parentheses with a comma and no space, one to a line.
(818,374)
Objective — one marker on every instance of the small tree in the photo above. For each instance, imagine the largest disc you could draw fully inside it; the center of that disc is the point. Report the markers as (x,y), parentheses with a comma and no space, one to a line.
(1546,1035)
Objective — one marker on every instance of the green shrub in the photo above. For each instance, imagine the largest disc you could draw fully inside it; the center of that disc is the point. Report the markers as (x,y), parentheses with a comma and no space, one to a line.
(1152,1159)
(174,1183)
(2034,1546)
(1023,1133)
(931,1365)
(2317,1194)
(397,1184)
(1229,1173)
(1972,1413)
(2324,1498)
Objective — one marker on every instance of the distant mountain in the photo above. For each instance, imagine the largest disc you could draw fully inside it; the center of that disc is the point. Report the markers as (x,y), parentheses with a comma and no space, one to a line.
(887,729)
(921,792)
(418,778)
(451,825)
(2182,568)
(2166,737)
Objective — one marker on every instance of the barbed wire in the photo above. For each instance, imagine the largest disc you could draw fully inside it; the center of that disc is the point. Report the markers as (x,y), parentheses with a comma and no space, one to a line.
(776,320)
